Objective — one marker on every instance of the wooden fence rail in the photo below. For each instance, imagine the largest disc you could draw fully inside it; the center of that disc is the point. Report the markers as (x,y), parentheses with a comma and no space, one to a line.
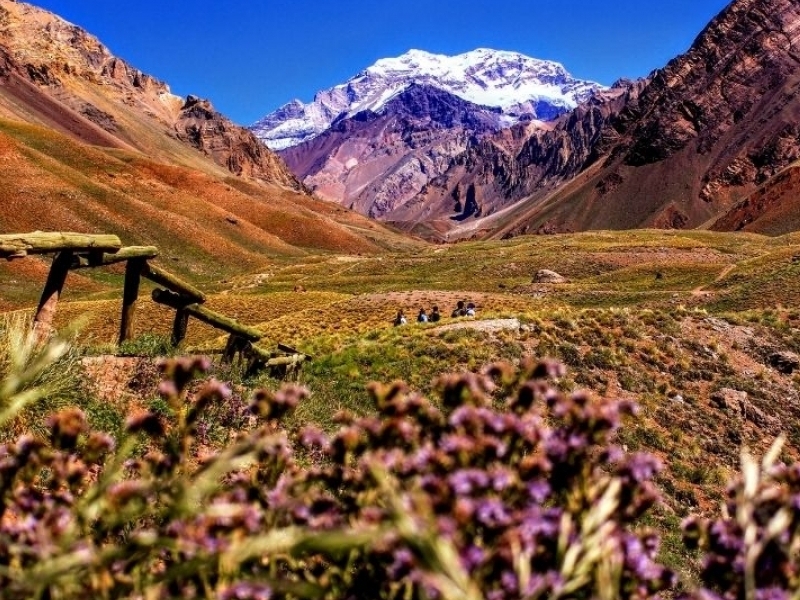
(82,251)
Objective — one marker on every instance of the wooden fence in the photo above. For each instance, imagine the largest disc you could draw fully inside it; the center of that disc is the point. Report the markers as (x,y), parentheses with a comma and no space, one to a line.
(81,251)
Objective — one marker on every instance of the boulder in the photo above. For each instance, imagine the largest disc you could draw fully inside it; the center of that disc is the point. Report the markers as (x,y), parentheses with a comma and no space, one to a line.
(731,401)
(785,362)
(736,403)
(546,276)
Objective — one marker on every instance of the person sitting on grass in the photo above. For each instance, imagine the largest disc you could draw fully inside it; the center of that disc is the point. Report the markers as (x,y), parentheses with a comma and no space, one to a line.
(435,316)
(459,310)
(400,318)
(470,312)
(422,317)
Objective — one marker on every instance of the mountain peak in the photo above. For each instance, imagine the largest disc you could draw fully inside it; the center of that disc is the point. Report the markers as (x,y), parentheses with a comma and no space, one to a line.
(522,87)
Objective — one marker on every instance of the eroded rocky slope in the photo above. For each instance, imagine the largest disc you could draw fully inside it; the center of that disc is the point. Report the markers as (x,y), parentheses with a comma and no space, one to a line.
(708,129)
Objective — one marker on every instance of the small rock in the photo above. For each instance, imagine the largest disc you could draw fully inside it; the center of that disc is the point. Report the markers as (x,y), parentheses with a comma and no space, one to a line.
(547,276)
(717,324)
(758,417)
(232,220)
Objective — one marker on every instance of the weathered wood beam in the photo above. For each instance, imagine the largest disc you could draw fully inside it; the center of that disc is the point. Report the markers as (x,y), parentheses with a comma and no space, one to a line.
(294,359)
(290,350)
(261,353)
(172,283)
(18,245)
(270,357)
(206,315)
(43,321)
(130,294)
(85,261)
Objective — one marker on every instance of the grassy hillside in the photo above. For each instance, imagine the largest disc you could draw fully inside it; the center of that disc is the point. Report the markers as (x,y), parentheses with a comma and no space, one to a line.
(682,323)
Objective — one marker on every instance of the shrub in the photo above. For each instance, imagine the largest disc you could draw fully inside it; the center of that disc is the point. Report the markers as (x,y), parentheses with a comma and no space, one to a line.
(37,379)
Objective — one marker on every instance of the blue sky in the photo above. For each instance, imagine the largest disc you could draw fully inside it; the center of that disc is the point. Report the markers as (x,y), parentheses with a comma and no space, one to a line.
(249,56)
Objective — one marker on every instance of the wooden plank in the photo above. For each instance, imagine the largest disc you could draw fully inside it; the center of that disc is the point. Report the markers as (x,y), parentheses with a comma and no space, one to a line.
(130,294)
(262,353)
(206,315)
(85,261)
(172,283)
(43,321)
(17,245)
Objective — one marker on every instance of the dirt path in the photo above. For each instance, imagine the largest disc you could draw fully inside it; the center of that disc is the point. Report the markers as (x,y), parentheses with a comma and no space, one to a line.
(488,325)
(699,291)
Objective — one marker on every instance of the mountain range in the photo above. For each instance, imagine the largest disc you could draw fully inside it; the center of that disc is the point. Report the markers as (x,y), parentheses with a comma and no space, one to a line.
(522,88)
(487,144)
(448,147)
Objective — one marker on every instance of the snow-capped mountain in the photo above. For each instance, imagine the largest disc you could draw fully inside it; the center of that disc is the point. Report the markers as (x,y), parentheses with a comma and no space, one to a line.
(523,88)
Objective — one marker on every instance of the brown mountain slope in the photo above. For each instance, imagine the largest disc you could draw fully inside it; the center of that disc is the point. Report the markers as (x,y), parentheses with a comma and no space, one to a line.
(376,163)
(55,74)
(703,134)
(773,209)
(502,169)
(207,228)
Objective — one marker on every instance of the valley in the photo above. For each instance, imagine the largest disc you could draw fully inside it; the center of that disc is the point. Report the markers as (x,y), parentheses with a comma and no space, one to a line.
(633,255)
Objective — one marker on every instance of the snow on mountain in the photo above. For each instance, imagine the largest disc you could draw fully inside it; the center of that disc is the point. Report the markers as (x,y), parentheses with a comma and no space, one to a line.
(522,87)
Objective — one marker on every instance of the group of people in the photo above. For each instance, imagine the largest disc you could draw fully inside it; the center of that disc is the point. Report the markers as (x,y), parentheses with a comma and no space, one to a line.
(462,309)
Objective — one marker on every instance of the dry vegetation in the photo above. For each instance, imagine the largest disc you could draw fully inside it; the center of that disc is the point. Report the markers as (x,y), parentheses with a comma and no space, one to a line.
(675,321)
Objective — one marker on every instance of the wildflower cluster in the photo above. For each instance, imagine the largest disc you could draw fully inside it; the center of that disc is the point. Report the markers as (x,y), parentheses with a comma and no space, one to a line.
(509,489)
(751,551)
(503,488)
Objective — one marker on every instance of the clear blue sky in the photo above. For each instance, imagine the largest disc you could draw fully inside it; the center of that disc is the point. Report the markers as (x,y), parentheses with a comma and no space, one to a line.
(251,56)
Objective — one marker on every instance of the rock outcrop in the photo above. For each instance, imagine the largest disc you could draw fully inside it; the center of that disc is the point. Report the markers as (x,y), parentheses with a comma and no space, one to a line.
(548,276)
(227,144)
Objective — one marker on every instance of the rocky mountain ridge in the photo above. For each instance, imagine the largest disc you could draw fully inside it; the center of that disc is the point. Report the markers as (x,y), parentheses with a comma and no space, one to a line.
(376,162)
(89,143)
(704,133)
(675,151)
(523,88)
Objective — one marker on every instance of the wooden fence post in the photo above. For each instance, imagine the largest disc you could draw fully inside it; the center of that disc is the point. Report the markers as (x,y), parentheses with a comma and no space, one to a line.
(43,321)
(130,294)
(179,326)
(235,345)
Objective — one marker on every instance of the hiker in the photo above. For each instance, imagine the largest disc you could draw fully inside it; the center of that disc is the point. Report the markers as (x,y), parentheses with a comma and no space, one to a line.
(400,318)
(422,317)
(435,316)
(470,312)
(459,310)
